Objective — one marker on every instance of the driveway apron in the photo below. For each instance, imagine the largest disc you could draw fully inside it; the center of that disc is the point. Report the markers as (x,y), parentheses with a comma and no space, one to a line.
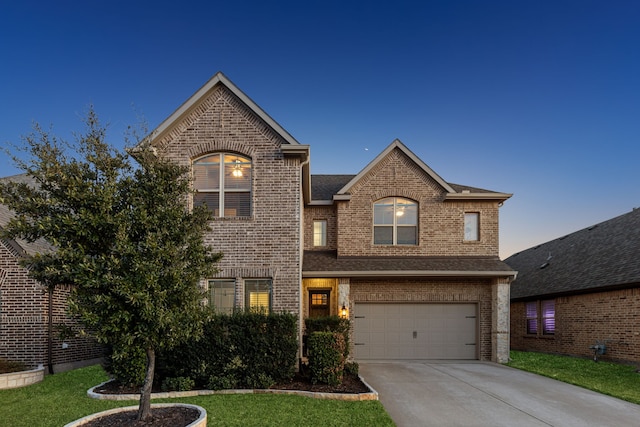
(429,393)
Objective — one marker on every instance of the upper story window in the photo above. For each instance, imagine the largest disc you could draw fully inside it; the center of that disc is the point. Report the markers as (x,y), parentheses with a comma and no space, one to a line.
(320,233)
(223,183)
(471,226)
(395,221)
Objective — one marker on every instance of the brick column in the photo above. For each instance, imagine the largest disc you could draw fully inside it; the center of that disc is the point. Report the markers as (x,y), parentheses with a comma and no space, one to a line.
(500,300)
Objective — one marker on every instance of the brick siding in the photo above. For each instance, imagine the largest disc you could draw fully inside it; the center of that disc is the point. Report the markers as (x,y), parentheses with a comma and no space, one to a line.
(268,243)
(580,320)
(441,223)
(24,319)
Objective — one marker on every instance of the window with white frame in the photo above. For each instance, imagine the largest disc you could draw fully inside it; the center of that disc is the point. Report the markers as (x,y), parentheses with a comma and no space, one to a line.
(541,317)
(471,226)
(258,295)
(320,233)
(222,295)
(223,183)
(395,221)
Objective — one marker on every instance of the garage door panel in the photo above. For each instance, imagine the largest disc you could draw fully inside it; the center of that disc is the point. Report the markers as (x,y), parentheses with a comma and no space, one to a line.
(415,331)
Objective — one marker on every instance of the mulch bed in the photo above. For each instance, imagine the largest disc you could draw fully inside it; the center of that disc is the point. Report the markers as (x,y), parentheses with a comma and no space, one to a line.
(351,384)
(160,417)
(180,416)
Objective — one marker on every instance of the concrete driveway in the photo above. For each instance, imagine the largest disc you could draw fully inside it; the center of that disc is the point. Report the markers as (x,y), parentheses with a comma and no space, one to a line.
(428,393)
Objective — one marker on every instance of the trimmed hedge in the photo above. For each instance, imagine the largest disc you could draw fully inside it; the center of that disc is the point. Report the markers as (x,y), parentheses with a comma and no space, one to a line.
(329,324)
(242,350)
(326,357)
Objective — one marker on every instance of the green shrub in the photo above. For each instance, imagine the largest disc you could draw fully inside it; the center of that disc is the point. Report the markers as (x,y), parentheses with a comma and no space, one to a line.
(8,366)
(352,368)
(245,349)
(127,365)
(329,324)
(326,357)
(177,384)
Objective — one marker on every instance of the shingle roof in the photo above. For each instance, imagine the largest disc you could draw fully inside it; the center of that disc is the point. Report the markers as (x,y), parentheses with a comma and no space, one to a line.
(326,263)
(324,187)
(606,255)
(19,245)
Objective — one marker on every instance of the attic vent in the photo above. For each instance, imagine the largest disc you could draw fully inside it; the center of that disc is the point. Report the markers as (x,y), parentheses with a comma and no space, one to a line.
(592,227)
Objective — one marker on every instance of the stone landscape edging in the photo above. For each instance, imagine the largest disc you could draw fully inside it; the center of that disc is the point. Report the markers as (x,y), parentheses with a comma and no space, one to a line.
(372,395)
(21,378)
(200,422)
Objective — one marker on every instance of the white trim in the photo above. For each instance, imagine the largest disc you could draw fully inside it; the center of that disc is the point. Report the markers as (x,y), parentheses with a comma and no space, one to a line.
(195,99)
(396,144)
(412,273)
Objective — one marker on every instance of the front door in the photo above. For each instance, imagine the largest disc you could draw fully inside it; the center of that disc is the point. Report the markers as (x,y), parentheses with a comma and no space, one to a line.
(319,303)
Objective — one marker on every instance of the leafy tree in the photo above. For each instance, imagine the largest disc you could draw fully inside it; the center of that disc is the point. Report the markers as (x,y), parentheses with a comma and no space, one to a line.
(124,237)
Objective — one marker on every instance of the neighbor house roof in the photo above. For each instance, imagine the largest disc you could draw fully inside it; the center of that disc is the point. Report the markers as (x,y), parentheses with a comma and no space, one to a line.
(21,246)
(328,264)
(603,256)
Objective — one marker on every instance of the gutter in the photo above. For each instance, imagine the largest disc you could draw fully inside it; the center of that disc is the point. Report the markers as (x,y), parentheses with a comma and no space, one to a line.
(409,273)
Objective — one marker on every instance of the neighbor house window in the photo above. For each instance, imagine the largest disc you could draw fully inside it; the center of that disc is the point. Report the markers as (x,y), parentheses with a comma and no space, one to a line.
(471,226)
(223,183)
(258,295)
(222,295)
(395,221)
(320,233)
(541,317)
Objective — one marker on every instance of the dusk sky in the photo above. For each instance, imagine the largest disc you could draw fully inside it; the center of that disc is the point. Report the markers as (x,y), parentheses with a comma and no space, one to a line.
(536,98)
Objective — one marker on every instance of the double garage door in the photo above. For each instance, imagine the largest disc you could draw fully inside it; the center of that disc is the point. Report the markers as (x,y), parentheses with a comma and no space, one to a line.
(415,331)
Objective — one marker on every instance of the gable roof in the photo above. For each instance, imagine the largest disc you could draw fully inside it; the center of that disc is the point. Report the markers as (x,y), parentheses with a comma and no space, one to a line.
(328,264)
(603,256)
(321,184)
(20,246)
(399,145)
(201,94)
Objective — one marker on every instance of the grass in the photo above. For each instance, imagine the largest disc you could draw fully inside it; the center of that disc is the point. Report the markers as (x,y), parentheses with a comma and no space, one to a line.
(621,381)
(62,398)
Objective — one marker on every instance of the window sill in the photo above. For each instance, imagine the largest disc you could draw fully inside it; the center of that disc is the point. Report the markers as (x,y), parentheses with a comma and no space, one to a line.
(539,337)
(231,218)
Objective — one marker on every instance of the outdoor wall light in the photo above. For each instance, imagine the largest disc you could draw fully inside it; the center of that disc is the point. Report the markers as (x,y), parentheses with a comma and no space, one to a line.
(344,312)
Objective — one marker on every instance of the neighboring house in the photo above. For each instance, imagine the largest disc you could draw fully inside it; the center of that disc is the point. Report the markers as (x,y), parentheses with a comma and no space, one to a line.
(580,290)
(410,258)
(34,326)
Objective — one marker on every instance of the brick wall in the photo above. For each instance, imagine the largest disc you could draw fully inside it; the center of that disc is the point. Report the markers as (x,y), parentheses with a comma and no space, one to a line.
(267,244)
(441,223)
(580,320)
(437,291)
(24,319)
(327,213)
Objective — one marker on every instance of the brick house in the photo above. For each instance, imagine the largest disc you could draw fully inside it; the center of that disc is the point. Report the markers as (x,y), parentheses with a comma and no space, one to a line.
(580,290)
(410,258)
(34,326)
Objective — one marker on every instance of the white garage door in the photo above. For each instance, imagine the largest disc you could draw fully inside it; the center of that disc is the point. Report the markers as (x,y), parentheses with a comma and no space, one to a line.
(415,331)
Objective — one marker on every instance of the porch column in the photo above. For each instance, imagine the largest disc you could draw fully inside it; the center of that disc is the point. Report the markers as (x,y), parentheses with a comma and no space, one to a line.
(500,300)
(343,294)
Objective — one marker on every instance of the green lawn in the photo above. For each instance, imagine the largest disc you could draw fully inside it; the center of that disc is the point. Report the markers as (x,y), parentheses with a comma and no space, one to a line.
(621,381)
(62,398)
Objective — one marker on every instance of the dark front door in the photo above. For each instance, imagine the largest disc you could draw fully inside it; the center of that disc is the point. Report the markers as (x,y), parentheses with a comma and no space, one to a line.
(319,303)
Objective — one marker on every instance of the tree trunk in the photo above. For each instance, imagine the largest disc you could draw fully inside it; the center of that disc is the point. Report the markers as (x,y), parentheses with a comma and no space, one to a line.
(144,410)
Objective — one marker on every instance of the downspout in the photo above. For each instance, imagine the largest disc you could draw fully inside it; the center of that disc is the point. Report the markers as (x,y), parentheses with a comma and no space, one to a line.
(301,288)
(50,332)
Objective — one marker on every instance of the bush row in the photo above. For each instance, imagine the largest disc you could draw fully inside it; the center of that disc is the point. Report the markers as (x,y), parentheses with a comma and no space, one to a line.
(243,350)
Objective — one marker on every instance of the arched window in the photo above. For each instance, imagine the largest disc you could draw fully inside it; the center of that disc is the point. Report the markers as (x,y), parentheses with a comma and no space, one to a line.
(223,183)
(395,221)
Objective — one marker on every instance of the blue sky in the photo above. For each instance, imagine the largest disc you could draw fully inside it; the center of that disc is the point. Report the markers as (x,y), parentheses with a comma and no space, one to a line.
(536,98)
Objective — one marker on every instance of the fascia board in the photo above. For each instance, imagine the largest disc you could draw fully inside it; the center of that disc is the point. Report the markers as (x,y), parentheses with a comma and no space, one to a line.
(201,93)
(478,196)
(410,273)
(397,144)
